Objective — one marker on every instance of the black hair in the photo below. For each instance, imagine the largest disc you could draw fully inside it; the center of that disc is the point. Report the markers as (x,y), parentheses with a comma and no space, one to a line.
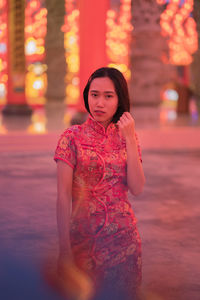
(121,90)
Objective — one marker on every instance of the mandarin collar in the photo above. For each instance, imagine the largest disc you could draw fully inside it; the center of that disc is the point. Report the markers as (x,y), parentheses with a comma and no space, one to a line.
(98,127)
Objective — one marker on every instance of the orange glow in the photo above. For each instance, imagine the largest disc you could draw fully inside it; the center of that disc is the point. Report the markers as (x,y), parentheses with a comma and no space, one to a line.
(3,56)
(34,4)
(35,32)
(3,129)
(71,44)
(38,122)
(180,28)
(119,37)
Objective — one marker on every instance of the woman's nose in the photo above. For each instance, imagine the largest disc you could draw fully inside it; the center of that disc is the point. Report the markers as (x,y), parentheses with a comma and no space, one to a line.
(100,102)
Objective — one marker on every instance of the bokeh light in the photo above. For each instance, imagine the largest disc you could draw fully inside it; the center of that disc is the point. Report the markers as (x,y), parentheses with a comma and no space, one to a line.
(179,27)
(71,44)
(3,52)
(38,121)
(118,38)
(35,32)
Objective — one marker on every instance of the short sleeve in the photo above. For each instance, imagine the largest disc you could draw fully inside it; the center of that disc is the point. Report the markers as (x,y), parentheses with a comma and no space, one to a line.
(138,147)
(66,149)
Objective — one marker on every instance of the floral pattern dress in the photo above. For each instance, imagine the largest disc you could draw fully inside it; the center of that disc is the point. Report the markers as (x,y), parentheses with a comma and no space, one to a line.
(104,236)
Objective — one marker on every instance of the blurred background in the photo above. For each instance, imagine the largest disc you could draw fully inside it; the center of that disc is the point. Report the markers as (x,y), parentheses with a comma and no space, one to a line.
(48,49)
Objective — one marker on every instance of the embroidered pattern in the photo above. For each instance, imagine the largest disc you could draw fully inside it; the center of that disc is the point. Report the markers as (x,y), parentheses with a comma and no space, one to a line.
(103,226)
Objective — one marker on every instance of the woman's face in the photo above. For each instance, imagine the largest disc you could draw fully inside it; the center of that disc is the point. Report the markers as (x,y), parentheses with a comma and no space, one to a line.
(102,100)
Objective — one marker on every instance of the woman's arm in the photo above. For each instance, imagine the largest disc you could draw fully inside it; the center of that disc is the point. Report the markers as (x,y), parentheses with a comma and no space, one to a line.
(74,283)
(135,174)
(64,207)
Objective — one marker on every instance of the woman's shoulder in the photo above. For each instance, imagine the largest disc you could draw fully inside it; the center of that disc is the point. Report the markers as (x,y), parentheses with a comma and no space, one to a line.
(72,130)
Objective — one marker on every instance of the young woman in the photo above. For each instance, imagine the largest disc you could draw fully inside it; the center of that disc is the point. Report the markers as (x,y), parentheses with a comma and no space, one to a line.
(97,163)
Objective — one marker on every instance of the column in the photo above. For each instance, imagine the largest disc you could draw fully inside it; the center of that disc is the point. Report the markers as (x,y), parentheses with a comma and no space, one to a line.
(16,100)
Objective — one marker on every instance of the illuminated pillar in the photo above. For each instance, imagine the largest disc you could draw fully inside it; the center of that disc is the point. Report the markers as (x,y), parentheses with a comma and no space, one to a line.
(35,32)
(118,38)
(3,53)
(92,40)
(16,100)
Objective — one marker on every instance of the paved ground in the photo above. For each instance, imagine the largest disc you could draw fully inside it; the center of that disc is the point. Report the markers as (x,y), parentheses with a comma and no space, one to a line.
(168,211)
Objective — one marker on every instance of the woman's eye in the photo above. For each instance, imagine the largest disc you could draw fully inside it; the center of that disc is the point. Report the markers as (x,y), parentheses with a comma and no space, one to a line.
(109,96)
(94,95)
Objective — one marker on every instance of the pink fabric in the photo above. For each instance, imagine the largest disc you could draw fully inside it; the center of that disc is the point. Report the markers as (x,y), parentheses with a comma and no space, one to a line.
(103,226)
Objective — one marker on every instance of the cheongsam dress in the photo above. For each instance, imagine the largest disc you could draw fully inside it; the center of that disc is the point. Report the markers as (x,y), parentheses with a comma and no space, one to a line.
(103,232)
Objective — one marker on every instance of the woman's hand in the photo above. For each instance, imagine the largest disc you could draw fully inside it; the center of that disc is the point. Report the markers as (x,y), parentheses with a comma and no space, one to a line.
(126,125)
(135,174)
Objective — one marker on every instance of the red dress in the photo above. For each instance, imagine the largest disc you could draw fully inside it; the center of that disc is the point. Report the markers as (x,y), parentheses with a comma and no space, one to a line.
(104,236)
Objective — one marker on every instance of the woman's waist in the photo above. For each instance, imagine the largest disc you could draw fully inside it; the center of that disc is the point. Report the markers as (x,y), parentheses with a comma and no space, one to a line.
(122,209)
(95,204)
(109,218)
(111,188)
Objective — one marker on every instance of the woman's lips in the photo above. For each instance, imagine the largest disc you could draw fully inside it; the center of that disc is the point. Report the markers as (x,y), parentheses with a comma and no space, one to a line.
(99,112)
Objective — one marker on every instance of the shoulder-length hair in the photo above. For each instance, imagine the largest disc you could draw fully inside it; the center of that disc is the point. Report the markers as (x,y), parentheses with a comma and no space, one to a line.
(121,90)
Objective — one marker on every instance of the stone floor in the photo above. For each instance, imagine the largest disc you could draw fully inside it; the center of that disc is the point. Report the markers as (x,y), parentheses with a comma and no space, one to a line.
(168,211)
